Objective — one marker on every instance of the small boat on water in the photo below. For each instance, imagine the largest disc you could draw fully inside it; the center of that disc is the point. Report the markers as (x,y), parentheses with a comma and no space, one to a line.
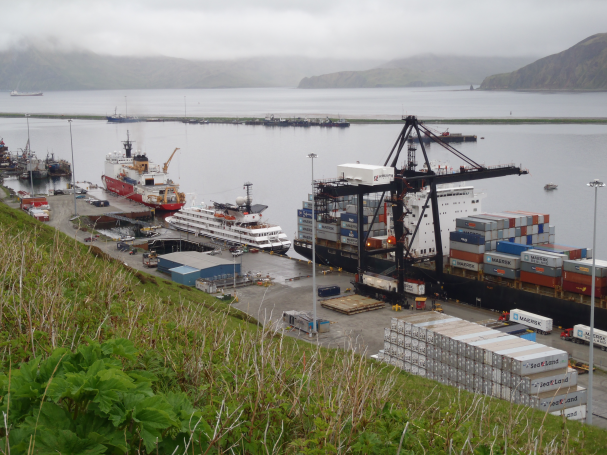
(551,186)
(16,93)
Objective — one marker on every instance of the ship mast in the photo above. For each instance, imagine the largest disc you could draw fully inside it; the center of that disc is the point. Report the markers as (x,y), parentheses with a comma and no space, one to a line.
(128,145)
(249,199)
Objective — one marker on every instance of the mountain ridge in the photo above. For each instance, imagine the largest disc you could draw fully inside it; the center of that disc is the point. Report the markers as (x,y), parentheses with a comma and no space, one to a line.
(31,68)
(581,67)
(423,70)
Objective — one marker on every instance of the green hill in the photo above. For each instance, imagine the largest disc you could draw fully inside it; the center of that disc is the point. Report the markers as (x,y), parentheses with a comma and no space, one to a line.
(100,358)
(419,71)
(581,67)
(34,68)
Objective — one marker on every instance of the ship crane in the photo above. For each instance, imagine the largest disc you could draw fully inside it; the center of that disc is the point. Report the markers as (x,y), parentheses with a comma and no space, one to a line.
(406,179)
(165,168)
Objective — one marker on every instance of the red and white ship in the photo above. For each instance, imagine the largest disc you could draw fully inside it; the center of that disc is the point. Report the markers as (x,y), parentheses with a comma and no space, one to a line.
(138,179)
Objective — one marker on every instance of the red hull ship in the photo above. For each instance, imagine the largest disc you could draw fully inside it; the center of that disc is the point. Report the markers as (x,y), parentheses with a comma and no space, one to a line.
(138,179)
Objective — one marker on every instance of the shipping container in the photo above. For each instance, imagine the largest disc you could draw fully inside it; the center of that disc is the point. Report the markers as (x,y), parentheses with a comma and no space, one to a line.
(304,221)
(547,360)
(582,332)
(554,272)
(349,241)
(552,380)
(493,223)
(327,236)
(304,236)
(304,213)
(574,413)
(365,174)
(510,261)
(467,237)
(504,272)
(584,289)
(326,227)
(473,223)
(511,248)
(466,247)
(328,291)
(353,218)
(540,280)
(585,267)
(535,321)
(473,266)
(542,258)
(563,399)
(584,279)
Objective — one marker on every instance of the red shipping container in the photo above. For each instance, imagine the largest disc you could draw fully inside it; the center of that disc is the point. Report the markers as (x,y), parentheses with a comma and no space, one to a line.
(583,289)
(542,280)
(534,214)
(584,279)
(413,280)
(465,256)
(574,253)
(523,230)
(381,218)
(373,243)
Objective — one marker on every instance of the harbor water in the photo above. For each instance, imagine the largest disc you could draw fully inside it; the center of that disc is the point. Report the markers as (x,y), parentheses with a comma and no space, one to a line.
(214,160)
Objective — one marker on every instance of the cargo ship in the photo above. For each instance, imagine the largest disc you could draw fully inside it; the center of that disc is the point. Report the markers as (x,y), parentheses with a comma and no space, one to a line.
(138,179)
(239,224)
(496,261)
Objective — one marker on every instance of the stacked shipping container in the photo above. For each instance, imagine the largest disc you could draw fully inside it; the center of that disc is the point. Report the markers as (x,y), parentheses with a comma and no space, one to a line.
(482,360)
(577,277)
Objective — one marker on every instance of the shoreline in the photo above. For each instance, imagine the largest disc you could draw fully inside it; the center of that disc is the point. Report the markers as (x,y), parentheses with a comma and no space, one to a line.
(355,120)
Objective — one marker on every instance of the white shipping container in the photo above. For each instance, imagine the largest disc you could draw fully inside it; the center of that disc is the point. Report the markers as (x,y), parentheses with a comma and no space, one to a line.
(582,332)
(365,174)
(552,380)
(535,321)
(541,258)
(510,261)
(550,359)
(574,413)
(563,399)
(415,288)
(387,334)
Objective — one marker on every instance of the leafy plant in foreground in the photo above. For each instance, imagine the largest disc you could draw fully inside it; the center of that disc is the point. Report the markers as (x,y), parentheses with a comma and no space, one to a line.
(87,402)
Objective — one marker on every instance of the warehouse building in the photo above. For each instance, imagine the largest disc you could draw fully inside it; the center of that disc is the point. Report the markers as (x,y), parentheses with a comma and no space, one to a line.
(185,267)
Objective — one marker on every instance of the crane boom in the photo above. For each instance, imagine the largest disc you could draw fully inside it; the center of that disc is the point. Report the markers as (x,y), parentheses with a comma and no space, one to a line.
(165,168)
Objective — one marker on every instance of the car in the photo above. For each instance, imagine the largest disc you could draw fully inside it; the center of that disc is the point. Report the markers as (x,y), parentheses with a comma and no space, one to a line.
(236,253)
(80,196)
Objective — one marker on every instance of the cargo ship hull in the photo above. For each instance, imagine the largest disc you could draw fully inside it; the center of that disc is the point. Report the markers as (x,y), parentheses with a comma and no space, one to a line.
(127,190)
(482,294)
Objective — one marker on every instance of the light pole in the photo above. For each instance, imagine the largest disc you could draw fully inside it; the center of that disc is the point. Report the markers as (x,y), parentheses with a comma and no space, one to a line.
(185,109)
(126,107)
(29,156)
(596,184)
(73,169)
(314,292)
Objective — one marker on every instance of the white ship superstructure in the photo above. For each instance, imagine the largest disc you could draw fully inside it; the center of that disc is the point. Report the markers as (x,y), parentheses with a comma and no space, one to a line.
(236,224)
(454,201)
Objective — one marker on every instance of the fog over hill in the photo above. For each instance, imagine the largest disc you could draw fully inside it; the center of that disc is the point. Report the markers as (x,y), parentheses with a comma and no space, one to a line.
(581,67)
(418,71)
(35,68)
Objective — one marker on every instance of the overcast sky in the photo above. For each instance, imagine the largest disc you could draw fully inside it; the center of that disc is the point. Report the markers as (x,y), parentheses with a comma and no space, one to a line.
(224,29)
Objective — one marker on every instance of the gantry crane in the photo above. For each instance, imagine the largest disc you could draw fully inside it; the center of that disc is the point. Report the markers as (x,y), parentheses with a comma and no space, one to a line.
(407,179)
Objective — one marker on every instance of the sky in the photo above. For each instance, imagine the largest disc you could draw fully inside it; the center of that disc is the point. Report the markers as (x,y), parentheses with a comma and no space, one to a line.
(369,29)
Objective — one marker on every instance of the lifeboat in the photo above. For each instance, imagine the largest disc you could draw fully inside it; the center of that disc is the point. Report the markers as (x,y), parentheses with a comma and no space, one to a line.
(230,217)
(219,215)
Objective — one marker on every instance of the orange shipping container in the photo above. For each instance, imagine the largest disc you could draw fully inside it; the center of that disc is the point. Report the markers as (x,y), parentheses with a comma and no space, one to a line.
(465,256)
(523,230)
(584,279)
(542,280)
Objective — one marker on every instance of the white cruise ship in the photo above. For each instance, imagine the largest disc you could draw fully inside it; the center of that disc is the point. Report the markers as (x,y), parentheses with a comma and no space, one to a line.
(236,224)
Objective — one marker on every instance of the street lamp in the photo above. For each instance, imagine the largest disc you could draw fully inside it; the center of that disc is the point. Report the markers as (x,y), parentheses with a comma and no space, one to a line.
(73,169)
(596,184)
(185,109)
(314,292)
(29,156)
(126,107)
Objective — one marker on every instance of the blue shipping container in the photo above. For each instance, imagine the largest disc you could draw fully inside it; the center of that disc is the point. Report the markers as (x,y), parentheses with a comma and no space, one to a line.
(466,237)
(540,228)
(349,233)
(353,218)
(304,213)
(511,239)
(530,240)
(511,247)
(328,291)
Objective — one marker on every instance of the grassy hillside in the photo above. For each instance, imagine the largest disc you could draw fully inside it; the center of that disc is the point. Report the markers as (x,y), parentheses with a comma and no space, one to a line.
(33,68)
(418,71)
(581,67)
(100,358)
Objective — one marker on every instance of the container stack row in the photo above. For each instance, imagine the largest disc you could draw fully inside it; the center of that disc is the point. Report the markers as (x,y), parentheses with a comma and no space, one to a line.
(479,359)
(577,277)
(342,224)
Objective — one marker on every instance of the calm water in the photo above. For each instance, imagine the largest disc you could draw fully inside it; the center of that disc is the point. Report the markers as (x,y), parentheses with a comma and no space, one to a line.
(215,160)
(450,102)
